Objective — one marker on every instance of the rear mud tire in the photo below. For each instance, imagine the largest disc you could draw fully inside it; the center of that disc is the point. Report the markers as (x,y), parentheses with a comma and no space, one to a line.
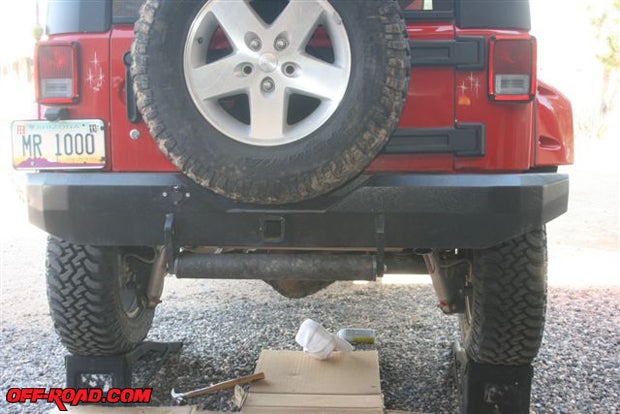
(505,316)
(93,310)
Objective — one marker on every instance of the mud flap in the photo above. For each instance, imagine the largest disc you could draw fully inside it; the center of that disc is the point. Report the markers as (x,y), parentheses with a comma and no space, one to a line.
(492,389)
(113,371)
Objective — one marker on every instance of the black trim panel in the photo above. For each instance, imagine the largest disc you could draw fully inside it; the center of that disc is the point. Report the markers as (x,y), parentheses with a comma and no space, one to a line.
(417,210)
(133,115)
(466,140)
(466,53)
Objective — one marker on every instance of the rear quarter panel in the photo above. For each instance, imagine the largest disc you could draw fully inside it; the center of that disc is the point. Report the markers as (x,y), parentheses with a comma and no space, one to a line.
(554,133)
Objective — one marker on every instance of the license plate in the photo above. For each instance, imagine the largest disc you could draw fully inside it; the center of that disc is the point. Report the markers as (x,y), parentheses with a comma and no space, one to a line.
(61,145)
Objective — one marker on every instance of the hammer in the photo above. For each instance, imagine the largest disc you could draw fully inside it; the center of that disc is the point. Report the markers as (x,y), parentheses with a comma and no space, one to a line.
(180,397)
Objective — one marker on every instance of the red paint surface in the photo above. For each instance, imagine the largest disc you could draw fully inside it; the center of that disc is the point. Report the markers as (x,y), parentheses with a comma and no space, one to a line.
(438,97)
(128,154)
(431,89)
(554,143)
(429,104)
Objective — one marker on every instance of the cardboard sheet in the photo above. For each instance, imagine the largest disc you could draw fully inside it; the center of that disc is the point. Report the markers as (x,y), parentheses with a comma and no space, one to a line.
(298,384)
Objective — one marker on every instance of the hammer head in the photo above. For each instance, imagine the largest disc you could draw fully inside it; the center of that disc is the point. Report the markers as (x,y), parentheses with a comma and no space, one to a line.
(179,397)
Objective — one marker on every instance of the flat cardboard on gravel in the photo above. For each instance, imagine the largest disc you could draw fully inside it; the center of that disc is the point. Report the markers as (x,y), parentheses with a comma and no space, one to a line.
(295,383)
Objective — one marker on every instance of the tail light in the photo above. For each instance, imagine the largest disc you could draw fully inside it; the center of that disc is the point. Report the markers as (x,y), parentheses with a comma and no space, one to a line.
(57,73)
(512,69)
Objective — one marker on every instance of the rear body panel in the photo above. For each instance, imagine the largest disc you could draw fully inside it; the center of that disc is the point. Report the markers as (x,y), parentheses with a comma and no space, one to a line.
(430,88)
(440,96)
(128,154)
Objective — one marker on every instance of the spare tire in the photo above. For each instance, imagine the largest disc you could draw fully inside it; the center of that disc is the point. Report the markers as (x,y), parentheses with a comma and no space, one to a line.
(270,101)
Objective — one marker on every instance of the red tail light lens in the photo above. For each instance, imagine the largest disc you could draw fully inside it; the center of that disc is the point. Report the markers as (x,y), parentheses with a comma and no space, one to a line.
(57,73)
(512,69)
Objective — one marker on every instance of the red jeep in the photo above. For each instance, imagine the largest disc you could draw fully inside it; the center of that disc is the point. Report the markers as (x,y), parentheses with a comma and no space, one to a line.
(299,143)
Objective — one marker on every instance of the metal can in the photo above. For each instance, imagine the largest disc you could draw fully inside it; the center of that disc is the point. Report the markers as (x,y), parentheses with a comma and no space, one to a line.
(358,335)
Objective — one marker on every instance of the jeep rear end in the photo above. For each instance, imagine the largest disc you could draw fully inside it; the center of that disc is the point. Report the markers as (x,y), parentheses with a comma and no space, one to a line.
(461,189)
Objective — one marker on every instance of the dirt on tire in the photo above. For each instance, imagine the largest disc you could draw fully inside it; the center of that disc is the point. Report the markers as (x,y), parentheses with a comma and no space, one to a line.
(505,316)
(86,303)
(327,158)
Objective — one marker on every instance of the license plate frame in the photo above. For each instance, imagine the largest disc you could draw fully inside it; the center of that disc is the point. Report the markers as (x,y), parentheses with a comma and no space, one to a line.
(77,144)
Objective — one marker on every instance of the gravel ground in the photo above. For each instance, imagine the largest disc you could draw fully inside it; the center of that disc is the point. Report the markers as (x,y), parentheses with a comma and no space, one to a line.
(224,325)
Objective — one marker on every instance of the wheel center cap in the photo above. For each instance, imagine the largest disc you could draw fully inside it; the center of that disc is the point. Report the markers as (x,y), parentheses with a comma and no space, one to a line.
(268,62)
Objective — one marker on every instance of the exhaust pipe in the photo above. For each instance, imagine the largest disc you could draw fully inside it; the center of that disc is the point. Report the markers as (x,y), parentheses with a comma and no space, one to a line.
(448,277)
(277,266)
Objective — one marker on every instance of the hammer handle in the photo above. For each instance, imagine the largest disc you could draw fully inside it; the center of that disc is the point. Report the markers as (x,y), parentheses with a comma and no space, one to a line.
(225,385)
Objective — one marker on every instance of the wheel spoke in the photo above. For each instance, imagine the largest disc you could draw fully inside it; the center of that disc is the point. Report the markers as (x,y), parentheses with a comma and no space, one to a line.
(299,20)
(268,64)
(218,79)
(236,18)
(319,79)
(268,111)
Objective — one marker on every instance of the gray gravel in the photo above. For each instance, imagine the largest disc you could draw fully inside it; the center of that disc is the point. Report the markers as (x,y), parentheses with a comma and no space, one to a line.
(224,325)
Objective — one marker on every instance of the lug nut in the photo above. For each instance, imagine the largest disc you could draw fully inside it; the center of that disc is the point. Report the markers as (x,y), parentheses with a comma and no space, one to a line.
(267,85)
(255,44)
(280,43)
(289,70)
(247,69)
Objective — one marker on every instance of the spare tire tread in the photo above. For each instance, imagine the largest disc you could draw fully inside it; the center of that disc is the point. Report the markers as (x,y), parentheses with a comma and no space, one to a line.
(234,181)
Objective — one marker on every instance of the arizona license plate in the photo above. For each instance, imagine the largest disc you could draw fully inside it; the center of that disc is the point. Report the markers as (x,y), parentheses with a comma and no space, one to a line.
(60,145)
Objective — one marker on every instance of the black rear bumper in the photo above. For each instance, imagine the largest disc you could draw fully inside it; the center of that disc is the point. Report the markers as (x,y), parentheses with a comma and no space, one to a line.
(396,211)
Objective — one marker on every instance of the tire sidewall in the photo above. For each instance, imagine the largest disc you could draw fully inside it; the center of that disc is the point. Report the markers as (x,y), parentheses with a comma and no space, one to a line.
(215,160)
(134,329)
